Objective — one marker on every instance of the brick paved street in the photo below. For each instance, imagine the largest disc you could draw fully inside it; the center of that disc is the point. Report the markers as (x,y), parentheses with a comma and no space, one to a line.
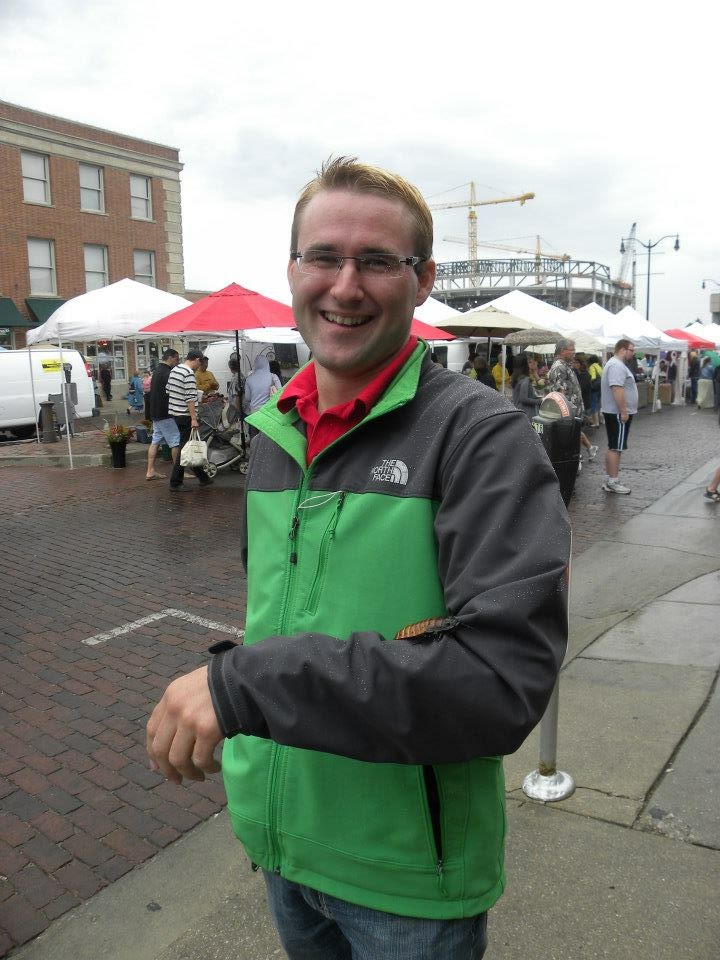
(87,551)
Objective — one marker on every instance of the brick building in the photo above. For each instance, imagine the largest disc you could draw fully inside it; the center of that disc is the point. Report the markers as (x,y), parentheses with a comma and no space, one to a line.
(81,207)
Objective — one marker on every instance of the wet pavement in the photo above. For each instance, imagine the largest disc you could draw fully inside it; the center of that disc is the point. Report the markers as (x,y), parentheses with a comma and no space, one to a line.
(99,554)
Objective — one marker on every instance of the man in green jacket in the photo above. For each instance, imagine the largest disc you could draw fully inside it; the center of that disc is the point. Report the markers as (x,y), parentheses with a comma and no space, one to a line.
(406,550)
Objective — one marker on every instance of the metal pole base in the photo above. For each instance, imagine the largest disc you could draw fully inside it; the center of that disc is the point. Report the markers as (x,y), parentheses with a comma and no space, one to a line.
(550,787)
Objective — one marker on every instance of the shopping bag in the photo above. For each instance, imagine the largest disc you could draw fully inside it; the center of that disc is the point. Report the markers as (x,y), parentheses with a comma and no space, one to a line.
(194,453)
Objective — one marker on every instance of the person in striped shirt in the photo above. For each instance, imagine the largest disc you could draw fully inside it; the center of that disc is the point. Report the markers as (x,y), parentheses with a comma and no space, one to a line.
(182,405)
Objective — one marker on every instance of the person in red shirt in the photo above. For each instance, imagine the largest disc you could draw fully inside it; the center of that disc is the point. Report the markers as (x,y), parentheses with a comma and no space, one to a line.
(378,714)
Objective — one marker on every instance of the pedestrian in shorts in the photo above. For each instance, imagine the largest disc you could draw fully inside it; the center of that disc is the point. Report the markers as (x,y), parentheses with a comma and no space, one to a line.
(164,428)
(619,403)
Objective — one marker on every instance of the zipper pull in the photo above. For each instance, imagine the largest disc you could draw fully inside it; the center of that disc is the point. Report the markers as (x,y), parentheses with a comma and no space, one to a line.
(291,536)
(336,517)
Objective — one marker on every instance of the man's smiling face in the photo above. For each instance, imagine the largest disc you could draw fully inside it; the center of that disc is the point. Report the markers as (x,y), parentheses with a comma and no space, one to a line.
(354,322)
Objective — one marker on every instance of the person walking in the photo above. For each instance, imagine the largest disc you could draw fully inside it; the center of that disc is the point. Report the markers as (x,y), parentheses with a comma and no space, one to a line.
(595,371)
(563,378)
(105,376)
(481,373)
(693,374)
(389,659)
(619,403)
(523,394)
(260,385)
(146,387)
(711,491)
(164,428)
(182,404)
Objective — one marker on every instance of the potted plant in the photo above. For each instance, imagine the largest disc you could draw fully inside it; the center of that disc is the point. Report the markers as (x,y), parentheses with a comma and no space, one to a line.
(117,436)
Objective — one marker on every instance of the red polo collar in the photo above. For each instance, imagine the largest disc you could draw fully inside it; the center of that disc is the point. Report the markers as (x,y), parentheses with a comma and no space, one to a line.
(323,429)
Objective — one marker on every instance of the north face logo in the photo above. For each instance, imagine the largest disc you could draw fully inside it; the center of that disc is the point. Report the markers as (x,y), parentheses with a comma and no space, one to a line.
(391,471)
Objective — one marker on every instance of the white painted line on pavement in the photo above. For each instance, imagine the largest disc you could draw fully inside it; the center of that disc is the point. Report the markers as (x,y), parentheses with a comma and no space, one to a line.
(151,618)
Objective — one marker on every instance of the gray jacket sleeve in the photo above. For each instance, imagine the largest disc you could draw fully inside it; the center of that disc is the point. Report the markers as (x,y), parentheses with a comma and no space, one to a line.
(477,687)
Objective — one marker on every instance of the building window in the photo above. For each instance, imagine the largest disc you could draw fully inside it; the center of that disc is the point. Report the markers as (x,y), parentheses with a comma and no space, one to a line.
(41,258)
(140,198)
(96,273)
(36,177)
(144,266)
(91,188)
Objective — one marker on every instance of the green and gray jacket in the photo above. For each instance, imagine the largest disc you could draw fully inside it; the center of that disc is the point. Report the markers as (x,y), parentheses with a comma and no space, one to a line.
(369,767)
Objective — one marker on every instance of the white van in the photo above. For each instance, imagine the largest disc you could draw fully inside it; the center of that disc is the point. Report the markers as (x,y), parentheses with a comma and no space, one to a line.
(18,412)
(451,354)
(291,356)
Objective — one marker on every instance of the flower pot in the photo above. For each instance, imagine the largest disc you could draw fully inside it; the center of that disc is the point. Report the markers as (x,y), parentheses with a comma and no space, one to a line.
(117,451)
(142,435)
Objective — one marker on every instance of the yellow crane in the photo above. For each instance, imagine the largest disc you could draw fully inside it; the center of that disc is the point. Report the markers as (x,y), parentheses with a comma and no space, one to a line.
(538,252)
(472,215)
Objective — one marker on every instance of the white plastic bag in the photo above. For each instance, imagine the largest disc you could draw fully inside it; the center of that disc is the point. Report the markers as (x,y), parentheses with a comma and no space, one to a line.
(194,453)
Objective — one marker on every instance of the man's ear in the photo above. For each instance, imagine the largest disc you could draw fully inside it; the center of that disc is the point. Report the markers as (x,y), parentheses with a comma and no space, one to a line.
(426,279)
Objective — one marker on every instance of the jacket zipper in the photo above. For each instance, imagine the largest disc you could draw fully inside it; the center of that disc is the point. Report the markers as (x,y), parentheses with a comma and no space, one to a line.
(327,539)
(278,752)
(432,793)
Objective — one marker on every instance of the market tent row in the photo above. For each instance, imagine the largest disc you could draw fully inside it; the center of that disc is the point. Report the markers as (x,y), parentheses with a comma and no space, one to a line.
(247,314)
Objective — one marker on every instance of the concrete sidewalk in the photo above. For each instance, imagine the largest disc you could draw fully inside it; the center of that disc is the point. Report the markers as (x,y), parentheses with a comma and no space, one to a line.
(628,868)
(89,447)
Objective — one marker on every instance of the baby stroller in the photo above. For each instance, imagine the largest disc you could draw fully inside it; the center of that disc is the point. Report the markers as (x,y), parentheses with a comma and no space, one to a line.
(227,446)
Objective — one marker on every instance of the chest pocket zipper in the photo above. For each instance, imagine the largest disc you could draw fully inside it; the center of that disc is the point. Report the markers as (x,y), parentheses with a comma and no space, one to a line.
(325,543)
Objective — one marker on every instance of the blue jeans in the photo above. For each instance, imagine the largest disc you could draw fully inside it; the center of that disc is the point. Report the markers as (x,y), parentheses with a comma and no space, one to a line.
(315,926)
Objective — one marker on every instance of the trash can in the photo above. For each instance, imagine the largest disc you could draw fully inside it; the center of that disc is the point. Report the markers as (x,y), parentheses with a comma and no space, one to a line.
(559,431)
(48,423)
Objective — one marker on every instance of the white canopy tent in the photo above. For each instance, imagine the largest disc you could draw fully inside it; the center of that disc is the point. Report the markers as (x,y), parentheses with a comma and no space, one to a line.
(433,311)
(592,319)
(536,312)
(654,337)
(708,331)
(115,312)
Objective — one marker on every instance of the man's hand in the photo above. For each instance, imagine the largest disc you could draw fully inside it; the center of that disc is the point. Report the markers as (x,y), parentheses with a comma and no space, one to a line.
(624,416)
(183,731)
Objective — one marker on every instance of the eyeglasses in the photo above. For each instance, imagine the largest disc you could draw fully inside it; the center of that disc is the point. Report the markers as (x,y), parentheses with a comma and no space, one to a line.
(323,262)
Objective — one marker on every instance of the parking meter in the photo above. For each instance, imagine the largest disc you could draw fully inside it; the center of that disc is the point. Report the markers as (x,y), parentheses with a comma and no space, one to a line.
(559,430)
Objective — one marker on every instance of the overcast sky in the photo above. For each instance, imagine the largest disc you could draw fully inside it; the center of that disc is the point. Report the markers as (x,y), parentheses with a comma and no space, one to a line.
(607,112)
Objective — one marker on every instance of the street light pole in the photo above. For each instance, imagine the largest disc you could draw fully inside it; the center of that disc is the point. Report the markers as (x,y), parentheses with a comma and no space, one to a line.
(650,246)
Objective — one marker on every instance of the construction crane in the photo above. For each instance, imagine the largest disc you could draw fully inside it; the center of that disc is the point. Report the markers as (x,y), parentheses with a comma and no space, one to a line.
(472,215)
(629,259)
(538,252)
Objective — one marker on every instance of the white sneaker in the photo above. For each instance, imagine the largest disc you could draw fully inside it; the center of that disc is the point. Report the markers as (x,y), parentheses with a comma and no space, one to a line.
(614,486)
(592,453)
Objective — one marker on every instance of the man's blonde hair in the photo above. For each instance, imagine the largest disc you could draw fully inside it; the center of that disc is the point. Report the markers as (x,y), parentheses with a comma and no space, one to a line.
(346,173)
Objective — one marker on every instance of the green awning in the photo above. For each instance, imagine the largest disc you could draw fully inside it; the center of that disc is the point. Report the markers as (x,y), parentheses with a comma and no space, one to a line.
(10,316)
(43,307)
